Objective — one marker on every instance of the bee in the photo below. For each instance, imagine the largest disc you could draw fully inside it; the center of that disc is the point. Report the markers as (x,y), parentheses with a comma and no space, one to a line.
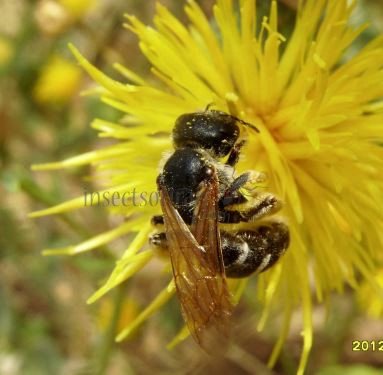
(199,194)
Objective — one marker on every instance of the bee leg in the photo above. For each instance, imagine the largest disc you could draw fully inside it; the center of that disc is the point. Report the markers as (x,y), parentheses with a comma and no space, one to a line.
(268,205)
(159,240)
(231,195)
(238,183)
(157,220)
(249,251)
(231,200)
(233,158)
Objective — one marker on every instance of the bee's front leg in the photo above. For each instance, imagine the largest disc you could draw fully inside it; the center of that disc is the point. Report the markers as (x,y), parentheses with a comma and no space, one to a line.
(233,158)
(232,195)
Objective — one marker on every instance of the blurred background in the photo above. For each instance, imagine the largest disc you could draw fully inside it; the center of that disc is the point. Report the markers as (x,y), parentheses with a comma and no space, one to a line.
(46,327)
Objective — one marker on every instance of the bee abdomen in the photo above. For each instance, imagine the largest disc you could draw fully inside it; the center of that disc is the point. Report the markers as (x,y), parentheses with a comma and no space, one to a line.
(255,250)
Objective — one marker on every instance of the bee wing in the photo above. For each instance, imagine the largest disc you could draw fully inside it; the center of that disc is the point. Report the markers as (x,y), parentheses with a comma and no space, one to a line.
(205,225)
(198,266)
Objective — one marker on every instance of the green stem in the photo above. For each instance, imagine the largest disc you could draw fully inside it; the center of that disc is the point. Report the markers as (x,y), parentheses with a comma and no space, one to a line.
(109,338)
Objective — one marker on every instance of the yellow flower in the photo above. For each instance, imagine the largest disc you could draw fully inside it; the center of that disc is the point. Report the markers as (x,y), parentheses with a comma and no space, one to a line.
(370,299)
(129,311)
(320,117)
(76,8)
(58,81)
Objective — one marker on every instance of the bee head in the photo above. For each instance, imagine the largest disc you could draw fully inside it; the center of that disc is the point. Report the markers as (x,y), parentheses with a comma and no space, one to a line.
(214,131)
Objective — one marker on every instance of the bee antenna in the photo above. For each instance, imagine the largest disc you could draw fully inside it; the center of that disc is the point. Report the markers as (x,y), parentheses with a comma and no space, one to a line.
(235,118)
(209,106)
(246,123)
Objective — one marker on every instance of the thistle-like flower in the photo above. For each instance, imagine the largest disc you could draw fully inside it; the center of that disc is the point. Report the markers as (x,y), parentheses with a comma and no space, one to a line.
(320,115)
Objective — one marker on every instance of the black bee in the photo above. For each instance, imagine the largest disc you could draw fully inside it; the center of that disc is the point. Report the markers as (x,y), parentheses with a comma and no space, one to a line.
(199,194)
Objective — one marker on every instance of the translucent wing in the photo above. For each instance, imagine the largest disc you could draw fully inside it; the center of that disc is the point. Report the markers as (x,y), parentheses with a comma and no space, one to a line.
(198,266)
